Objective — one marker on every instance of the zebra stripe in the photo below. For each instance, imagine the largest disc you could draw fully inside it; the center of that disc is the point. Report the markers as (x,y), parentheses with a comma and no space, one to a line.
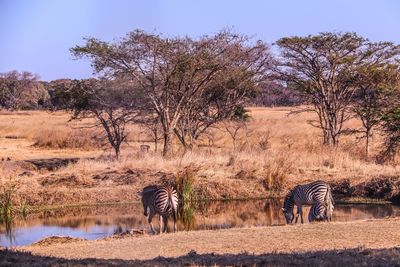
(161,200)
(306,194)
(165,200)
(318,212)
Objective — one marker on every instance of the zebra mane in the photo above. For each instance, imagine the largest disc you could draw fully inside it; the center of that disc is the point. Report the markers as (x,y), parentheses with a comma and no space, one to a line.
(149,188)
(288,202)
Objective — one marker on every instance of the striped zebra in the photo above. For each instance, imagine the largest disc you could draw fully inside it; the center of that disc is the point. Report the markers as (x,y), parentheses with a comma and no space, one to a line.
(318,212)
(307,194)
(161,200)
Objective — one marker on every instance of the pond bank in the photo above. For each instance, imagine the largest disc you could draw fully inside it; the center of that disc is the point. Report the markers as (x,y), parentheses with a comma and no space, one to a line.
(372,242)
(36,187)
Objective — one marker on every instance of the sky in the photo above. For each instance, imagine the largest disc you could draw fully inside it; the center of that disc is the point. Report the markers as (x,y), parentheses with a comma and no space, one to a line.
(36,35)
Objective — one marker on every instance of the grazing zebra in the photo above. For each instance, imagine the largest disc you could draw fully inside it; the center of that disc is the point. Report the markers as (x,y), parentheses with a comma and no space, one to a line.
(307,194)
(318,212)
(161,200)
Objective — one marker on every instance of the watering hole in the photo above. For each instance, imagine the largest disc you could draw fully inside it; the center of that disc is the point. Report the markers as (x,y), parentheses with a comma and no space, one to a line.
(102,221)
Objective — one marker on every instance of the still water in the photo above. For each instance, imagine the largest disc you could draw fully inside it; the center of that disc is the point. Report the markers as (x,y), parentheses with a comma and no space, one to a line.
(100,222)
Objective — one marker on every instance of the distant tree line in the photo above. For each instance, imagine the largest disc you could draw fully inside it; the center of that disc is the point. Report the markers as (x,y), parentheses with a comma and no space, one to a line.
(181,87)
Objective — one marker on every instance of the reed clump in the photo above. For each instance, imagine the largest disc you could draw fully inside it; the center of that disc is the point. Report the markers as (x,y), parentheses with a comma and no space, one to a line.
(187,197)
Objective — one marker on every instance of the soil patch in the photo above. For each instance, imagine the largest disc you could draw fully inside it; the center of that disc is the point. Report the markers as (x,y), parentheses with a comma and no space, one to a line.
(52,164)
(56,240)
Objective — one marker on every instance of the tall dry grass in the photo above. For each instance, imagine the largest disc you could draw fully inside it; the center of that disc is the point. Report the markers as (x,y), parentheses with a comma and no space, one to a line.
(274,147)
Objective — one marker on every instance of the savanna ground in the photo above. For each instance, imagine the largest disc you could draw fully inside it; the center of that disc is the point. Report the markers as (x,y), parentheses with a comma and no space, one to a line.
(372,243)
(273,153)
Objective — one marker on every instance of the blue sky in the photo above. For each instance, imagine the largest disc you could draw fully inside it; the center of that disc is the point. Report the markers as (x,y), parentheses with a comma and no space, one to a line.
(35,35)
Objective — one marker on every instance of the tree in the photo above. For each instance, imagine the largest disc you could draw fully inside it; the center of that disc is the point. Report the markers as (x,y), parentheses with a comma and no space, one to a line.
(390,121)
(391,129)
(19,90)
(60,93)
(374,82)
(153,128)
(220,102)
(272,93)
(110,103)
(235,124)
(323,68)
(175,73)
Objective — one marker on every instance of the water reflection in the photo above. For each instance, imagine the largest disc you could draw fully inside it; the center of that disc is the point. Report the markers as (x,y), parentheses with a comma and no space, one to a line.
(98,222)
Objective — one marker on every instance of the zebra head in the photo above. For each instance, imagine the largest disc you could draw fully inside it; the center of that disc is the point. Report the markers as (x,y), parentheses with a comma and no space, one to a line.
(289,216)
(288,205)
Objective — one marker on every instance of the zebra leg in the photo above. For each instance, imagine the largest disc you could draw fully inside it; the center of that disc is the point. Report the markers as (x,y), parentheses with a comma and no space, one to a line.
(175,219)
(165,222)
(150,219)
(300,211)
(161,224)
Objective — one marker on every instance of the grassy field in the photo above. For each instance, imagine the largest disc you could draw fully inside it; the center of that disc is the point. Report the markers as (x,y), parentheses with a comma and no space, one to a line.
(273,153)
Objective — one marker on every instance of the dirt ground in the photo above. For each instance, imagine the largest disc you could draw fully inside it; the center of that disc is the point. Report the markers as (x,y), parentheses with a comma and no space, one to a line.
(372,242)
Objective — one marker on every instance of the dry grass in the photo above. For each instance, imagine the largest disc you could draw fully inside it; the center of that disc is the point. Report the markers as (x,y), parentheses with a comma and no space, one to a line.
(273,144)
(274,152)
(375,234)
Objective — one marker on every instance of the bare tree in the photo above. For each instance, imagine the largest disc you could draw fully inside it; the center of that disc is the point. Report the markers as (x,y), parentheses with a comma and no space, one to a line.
(175,73)
(323,69)
(235,124)
(152,127)
(109,103)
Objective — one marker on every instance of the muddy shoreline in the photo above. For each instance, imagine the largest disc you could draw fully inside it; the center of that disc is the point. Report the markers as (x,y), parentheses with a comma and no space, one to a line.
(331,244)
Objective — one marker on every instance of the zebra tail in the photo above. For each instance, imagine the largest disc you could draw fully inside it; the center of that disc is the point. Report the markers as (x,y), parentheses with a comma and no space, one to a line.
(328,203)
(171,204)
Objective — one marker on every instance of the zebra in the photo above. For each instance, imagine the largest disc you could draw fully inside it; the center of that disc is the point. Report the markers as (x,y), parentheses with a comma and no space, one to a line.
(318,212)
(307,194)
(161,200)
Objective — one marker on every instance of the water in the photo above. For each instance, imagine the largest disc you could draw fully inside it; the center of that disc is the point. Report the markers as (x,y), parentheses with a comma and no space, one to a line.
(99,222)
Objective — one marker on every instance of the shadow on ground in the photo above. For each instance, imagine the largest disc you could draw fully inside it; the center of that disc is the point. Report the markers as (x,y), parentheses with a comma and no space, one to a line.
(353,257)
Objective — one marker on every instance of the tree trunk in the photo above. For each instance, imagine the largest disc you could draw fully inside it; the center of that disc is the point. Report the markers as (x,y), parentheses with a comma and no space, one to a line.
(367,141)
(155,140)
(117,150)
(167,144)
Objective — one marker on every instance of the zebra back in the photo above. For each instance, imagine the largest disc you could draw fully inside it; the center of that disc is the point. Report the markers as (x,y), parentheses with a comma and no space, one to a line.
(161,199)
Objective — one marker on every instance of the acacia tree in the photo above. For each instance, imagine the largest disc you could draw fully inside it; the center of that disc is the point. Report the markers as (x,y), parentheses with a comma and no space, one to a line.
(390,121)
(220,102)
(18,88)
(175,73)
(110,104)
(323,68)
(374,82)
